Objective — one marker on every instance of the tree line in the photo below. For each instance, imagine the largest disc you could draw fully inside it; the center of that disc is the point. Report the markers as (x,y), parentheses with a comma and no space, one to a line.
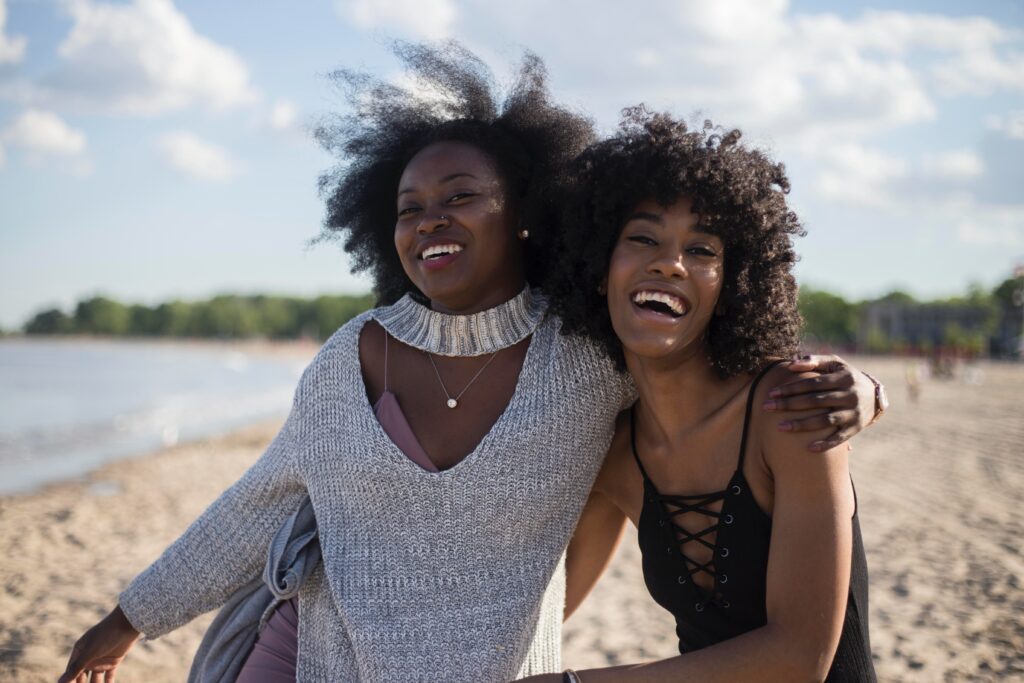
(226,316)
(829,319)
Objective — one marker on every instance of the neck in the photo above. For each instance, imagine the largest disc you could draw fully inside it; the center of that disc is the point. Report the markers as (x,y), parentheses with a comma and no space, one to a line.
(676,393)
(493,297)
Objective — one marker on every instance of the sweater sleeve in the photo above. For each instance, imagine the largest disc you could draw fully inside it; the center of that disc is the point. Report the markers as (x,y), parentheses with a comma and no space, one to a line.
(227,546)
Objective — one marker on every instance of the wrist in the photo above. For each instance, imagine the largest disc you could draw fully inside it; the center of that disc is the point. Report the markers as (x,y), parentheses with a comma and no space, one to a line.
(119,620)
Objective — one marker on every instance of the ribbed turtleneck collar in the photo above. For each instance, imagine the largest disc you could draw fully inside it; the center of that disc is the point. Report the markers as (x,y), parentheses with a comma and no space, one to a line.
(443,334)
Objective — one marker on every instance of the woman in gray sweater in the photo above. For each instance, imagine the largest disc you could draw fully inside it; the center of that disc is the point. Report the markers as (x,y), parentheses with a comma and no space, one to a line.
(449,438)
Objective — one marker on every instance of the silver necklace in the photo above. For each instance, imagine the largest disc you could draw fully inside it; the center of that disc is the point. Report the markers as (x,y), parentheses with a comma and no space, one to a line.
(454,402)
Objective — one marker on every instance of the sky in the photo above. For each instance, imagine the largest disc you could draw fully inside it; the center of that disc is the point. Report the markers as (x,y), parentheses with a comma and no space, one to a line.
(160,149)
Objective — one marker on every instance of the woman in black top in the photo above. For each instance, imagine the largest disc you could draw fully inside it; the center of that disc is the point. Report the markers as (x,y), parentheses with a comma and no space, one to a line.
(751,541)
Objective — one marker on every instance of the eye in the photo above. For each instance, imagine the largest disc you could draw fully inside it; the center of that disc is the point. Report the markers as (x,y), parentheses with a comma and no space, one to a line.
(407,211)
(641,239)
(702,251)
(461,195)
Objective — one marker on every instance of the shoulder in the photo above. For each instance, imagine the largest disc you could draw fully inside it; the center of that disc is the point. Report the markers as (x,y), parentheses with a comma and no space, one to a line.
(785,451)
(339,354)
(587,361)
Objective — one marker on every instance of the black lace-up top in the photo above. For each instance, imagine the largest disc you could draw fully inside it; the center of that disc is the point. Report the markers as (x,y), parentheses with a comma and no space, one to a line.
(738,539)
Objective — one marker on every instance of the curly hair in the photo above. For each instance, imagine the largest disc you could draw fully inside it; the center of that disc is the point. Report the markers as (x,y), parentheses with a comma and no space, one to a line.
(740,196)
(451,98)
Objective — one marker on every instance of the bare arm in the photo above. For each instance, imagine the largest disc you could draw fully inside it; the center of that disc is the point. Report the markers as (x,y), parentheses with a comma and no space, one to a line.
(808,579)
(593,544)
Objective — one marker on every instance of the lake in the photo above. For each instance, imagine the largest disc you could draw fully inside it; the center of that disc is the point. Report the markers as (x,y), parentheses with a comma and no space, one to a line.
(68,406)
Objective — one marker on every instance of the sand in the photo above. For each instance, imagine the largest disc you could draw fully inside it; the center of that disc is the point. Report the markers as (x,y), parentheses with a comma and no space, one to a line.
(939,483)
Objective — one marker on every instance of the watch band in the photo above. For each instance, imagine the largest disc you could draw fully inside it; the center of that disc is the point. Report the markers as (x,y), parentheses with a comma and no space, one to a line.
(881,400)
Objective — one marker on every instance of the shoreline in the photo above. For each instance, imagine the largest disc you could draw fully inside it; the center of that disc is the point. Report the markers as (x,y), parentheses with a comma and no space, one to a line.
(938,483)
(297,349)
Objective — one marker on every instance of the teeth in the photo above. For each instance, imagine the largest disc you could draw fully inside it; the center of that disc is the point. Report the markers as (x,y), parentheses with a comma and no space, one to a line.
(440,250)
(675,303)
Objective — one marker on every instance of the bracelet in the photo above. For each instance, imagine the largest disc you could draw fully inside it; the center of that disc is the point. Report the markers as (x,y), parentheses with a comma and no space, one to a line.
(570,676)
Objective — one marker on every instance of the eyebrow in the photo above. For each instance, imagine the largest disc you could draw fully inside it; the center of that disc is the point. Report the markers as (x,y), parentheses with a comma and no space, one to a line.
(645,216)
(446,179)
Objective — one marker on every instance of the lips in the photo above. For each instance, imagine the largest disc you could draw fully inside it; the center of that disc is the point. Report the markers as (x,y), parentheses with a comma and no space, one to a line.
(661,302)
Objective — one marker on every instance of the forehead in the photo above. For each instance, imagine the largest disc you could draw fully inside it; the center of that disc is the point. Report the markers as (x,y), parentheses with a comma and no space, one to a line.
(442,159)
(678,215)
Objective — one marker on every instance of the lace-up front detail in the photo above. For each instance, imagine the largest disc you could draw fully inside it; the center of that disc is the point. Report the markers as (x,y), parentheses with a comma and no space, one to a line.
(678,538)
(705,555)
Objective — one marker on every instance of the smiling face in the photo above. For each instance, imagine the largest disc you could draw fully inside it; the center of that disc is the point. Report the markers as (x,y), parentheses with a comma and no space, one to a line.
(664,280)
(455,232)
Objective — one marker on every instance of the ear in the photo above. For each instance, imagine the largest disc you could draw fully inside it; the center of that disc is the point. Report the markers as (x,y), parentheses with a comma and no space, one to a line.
(602,287)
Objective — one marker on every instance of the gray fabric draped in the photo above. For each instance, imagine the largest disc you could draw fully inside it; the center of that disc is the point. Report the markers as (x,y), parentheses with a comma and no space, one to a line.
(292,556)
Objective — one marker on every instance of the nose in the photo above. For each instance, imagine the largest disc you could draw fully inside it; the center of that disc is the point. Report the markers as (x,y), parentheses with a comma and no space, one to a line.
(432,222)
(668,264)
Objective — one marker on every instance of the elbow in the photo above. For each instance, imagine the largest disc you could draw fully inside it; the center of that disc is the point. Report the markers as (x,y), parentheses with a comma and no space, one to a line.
(807,671)
(804,658)
(811,664)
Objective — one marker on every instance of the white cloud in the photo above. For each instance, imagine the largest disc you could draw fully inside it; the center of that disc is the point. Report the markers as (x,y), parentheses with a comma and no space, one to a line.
(992,227)
(44,133)
(283,115)
(647,57)
(195,157)
(1012,124)
(802,78)
(421,18)
(858,175)
(12,48)
(955,165)
(144,58)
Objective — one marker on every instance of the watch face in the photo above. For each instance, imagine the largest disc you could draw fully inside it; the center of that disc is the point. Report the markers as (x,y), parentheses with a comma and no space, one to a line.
(881,398)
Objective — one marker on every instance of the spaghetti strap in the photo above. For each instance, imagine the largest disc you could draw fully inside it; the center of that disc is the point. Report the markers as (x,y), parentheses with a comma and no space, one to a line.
(750,405)
(386,335)
(632,441)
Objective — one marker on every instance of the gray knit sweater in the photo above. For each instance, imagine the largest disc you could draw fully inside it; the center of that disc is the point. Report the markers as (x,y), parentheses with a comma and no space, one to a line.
(450,576)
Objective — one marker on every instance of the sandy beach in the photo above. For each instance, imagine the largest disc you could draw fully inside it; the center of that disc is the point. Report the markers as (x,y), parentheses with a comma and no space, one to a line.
(939,484)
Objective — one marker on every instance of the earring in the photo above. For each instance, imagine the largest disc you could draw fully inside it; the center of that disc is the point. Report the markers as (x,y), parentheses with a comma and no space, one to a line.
(523,234)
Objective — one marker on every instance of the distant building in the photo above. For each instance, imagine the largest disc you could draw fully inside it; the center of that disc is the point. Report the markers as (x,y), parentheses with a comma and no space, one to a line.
(888,324)
(1008,340)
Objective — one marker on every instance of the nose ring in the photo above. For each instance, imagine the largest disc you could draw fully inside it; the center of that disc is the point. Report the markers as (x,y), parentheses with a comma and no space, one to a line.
(444,218)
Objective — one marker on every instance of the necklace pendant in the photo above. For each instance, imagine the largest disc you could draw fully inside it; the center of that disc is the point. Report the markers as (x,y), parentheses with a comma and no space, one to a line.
(452,403)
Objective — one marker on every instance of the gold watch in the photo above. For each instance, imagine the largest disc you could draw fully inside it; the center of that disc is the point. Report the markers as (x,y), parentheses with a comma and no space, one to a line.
(881,399)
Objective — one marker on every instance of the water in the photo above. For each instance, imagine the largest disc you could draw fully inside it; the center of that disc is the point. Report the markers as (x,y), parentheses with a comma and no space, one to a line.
(68,406)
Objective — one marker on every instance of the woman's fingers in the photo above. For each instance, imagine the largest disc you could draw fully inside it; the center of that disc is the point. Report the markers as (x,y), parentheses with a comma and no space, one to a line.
(838,418)
(816,363)
(830,400)
(842,379)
